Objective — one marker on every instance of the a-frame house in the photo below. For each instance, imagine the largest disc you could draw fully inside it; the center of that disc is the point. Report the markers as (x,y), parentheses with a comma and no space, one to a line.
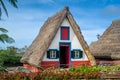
(59,44)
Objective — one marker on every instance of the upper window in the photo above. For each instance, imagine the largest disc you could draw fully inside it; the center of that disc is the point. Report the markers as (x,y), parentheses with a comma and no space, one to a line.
(64,33)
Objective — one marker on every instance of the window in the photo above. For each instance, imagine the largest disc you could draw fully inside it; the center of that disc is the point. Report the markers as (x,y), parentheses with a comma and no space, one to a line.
(76,54)
(52,54)
(64,33)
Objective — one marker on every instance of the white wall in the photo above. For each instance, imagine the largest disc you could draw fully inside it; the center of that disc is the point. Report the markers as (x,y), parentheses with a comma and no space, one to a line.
(73,39)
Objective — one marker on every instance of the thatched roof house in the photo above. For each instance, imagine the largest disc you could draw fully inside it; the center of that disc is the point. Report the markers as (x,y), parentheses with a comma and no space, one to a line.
(108,45)
(37,50)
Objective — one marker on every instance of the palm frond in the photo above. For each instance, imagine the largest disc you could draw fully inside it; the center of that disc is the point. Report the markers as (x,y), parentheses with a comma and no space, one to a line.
(13,3)
(5,38)
(3,30)
(3,5)
(10,40)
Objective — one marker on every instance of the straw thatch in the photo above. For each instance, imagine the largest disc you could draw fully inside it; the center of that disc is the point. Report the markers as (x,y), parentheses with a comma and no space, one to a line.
(108,45)
(39,46)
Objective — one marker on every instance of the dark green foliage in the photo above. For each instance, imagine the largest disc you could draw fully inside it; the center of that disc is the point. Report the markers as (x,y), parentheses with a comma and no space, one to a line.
(2,69)
(9,58)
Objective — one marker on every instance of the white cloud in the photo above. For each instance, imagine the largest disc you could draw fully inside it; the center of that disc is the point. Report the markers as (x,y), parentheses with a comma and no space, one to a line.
(111,10)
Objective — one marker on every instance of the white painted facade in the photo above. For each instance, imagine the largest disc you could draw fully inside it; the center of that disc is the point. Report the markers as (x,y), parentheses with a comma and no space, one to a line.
(73,40)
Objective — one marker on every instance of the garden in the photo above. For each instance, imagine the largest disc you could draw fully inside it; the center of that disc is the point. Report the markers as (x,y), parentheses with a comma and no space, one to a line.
(82,72)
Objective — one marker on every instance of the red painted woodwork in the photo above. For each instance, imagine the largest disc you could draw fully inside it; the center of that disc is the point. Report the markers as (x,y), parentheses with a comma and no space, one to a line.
(49,64)
(68,56)
(31,68)
(65,33)
(54,64)
(44,65)
(65,55)
(80,63)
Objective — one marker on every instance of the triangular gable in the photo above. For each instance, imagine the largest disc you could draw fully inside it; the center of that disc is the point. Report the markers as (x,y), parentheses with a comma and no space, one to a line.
(35,52)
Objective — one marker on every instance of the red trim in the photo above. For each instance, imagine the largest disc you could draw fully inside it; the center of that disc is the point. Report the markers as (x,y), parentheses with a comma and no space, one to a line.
(54,64)
(68,56)
(49,64)
(64,45)
(44,65)
(80,63)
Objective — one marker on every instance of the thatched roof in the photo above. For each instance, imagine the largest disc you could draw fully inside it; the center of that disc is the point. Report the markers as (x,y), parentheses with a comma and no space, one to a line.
(39,46)
(108,45)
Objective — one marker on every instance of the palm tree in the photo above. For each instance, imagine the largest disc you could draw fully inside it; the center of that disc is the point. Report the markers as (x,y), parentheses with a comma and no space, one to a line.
(4,37)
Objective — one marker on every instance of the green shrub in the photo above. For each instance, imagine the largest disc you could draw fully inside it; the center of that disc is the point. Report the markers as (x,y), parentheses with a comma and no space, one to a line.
(110,68)
(9,58)
(86,69)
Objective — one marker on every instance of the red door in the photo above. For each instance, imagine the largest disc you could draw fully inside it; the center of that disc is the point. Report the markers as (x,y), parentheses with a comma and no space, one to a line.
(64,56)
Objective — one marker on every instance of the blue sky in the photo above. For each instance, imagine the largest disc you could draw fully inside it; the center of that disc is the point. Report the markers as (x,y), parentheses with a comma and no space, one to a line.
(24,23)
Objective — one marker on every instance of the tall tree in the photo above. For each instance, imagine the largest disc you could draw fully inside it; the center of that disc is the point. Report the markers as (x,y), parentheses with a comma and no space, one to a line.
(3,36)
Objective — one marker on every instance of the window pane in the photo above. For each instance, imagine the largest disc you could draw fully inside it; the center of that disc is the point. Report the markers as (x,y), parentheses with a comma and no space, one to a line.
(52,54)
(76,54)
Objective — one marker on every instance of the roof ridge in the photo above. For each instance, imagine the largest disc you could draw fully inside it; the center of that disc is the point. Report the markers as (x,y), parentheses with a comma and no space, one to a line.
(66,8)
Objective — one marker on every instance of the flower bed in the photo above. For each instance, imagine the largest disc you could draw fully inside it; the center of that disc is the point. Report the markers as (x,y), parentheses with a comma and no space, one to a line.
(49,75)
(83,72)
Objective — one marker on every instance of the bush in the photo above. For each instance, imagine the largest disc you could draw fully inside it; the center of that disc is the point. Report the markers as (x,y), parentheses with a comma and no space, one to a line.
(49,75)
(86,69)
(109,69)
(1,62)
(9,58)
